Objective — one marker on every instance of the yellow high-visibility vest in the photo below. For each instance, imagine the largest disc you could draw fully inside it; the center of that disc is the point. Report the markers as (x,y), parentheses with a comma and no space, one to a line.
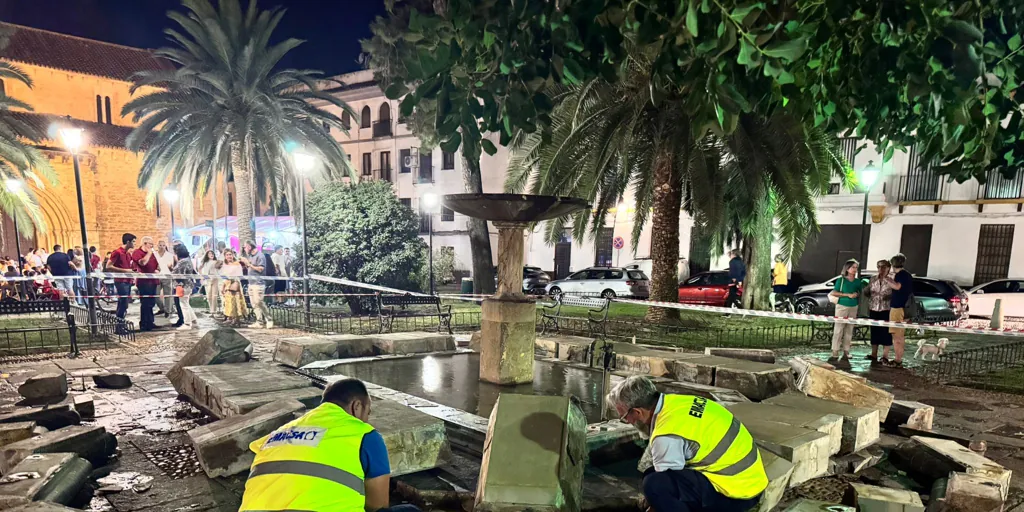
(727,455)
(311,463)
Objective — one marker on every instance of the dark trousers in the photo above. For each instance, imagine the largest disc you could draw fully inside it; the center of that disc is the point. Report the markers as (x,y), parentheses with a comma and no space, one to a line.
(124,290)
(733,297)
(880,335)
(148,300)
(177,307)
(689,491)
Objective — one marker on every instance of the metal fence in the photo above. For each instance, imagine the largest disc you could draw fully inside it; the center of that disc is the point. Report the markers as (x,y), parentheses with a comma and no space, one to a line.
(971,365)
(107,323)
(39,340)
(338,323)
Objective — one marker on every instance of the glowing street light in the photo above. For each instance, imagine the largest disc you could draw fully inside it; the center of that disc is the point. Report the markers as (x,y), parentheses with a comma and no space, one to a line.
(72,136)
(171,195)
(303,163)
(866,178)
(430,201)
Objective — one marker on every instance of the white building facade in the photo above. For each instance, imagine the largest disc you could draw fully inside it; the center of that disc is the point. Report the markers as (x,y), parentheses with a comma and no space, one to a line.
(968,233)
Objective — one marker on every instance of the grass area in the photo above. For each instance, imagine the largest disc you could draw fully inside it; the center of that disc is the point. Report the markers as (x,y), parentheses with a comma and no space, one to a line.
(36,334)
(1010,380)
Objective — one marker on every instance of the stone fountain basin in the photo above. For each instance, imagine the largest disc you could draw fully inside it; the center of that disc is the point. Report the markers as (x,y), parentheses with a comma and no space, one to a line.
(518,208)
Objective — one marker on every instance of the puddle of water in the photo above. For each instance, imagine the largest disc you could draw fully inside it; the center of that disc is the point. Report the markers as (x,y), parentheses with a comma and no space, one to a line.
(454,381)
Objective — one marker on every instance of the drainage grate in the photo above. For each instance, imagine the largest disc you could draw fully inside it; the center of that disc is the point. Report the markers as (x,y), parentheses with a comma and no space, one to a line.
(176,461)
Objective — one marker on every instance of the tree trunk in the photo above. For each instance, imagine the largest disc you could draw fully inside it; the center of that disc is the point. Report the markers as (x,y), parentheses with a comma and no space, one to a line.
(479,238)
(242,172)
(668,197)
(757,253)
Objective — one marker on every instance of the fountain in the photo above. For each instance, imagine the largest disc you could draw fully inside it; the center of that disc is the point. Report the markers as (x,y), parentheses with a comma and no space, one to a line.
(509,318)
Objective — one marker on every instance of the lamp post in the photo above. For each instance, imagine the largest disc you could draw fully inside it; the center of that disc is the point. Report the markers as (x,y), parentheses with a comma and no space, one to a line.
(15,187)
(430,201)
(304,162)
(867,178)
(72,139)
(171,195)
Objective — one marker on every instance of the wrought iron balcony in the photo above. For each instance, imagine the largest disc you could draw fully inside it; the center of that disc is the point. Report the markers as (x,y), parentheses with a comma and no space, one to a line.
(382,128)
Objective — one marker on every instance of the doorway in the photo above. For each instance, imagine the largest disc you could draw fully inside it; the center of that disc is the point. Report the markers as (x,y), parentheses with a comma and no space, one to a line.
(916,245)
(563,255)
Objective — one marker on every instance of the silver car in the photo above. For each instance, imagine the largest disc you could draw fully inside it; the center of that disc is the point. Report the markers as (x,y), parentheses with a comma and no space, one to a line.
(607,282)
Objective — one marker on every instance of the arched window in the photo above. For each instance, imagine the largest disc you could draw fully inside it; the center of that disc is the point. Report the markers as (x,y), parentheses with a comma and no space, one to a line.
(99,109)
(107,104)
(385,112)
(365,121)
(346,120)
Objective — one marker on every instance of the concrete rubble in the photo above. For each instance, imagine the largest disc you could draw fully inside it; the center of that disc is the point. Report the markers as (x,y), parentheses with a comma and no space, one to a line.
(85,407)
(955,458)
(223,446)
(779,471)
(218,346)
(51,417)
(42,386)
(92,443)
(41,506)
(230,389)
(967,492)
(860,425)
(721,395)
(55,477)
(816,381)
(805,505)
(829,424)
(912,414)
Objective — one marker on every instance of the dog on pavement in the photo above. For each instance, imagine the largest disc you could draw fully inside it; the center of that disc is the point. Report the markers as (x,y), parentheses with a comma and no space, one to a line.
(936,350)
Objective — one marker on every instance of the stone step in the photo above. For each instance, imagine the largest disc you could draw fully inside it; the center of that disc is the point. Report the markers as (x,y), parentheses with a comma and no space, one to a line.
(228,389)
(829,424)
(779,471)
(223,446)
(92,443)
(860,425)
(55,477)
(816,381)
(807,449)
(870,498)
(415,342)
(757,381)
(963,460)
(301,351)
(416,441)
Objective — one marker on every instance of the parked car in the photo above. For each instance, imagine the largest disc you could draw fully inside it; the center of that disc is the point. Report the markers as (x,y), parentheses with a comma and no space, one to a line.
(1009,291)
(938,300)
(534,280)
(607,282)
(708,288)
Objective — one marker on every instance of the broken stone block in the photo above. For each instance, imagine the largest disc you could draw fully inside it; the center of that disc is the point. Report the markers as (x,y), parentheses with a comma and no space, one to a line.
(223,446)
(858,461)
(779,471)
(564,348)
(42,506)
(655,363)
(912,414)
(13,432)
(806,505)
(85,407)
(828,424)
(806,449)
(756,381)
(54,477)
(870,498)
(720,395)
(416,441)
(218,346)
(860,425)
(972,493)
(759,355)
(534,455)
(43,386)
(228,389)
(92,443)
(298,352)
(819,382)
(416,342)
(51,417)
(112,381)
(962,460)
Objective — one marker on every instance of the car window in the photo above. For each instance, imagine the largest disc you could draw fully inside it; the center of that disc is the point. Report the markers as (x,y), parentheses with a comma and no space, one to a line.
(637,275)
(923,288)
(697,280)
(996,287)
(595,274)
(582,274)
(613,274)
(1016,287)
(831,283)
(719,278)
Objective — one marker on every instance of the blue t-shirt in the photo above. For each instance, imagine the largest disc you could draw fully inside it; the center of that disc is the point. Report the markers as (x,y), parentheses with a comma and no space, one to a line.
(373,455)
(60,264)
(900,297)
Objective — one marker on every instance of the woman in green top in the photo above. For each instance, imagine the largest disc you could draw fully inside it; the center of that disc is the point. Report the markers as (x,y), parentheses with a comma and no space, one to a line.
(847,291)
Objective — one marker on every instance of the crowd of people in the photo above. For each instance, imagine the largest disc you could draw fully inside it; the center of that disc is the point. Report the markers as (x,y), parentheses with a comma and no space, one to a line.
(53,275)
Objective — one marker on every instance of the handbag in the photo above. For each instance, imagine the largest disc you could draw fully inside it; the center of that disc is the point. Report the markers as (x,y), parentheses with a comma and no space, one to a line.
(834,299)
(179,291)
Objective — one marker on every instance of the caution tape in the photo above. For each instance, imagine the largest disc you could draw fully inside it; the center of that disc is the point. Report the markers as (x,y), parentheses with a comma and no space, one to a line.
(140,275)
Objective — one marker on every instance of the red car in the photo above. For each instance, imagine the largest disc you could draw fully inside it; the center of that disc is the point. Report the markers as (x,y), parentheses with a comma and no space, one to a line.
(708,288)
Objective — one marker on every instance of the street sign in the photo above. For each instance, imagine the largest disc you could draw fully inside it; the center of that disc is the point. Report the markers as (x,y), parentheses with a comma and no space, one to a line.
(618,242)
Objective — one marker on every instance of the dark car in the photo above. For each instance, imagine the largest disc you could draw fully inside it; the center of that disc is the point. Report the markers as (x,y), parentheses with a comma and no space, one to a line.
(938,300)
(708,288)
(535,280)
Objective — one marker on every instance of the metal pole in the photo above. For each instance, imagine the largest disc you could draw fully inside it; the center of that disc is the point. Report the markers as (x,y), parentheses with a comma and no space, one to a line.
(863,231)
(305,251)
(85,248)
(17,247)
(171,205)
(430,223)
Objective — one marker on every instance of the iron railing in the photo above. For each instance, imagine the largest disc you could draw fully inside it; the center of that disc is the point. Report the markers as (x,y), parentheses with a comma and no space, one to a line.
(107,323)
(42,340)
(921,187)
(295,317)
(998,186)
(971,363)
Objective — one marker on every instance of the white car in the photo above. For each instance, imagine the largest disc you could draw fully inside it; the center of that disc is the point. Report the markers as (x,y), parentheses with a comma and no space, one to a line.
(607,282)
(983,297)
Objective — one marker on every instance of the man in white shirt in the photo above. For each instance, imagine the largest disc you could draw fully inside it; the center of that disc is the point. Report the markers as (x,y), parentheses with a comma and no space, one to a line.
(165,260)
(277,258)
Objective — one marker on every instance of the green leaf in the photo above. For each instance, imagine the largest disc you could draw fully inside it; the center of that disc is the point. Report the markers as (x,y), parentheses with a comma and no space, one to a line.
(740,13)
(720,113)
(858,15)
(889,151)
(747,53)
(429,88)
(451,145)
(691,18)
(788,50)
(488,147)
(574,45)
(814,63)
(1014,43)
(572,71)
(489,39)
(395,91)
(504,68)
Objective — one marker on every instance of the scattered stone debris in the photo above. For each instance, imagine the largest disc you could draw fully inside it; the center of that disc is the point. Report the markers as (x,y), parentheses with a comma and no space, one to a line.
(112,381)
(820,382)
(44,386)
(85,406)
(92,443)
(13,432)
(55,477)
(218,346)
(51,417)
(912,414)
(870,498)
(223,446)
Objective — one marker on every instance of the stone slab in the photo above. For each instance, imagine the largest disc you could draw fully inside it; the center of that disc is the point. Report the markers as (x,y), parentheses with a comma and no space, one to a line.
(964,460)
(217,346)
(564,348)
(806,505)
(820,382)
(85,406)
(721,395)
(760,355)
(45,385)
(414,342)
(860,425)
(298,352)
(55,477)
(51,417)
(92,443)
(857,461)
(242,404)
(779,471)
(758,381)
(13,432)
(229,389)
(657,363)
(223,446)
(870,498)
(42,506)
(829,424)
(534,456)
(807,449)
(416,441)
(912,414)
(973,493)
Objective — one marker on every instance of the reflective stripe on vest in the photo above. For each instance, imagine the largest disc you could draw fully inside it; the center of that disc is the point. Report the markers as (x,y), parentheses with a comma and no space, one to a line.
(298,467)
(723,446)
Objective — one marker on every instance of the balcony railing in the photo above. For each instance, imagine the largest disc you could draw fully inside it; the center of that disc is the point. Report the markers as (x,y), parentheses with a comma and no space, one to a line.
(382,128)
(921,187)
(382,174)
(998,186)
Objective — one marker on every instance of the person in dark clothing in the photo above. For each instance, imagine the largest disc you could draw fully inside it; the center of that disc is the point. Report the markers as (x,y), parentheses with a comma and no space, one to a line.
(146,263)
(60,266)
(120,261)
(737,274)
(902,285)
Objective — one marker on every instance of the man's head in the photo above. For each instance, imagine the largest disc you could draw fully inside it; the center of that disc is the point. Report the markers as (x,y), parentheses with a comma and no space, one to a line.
(350,395)
(287,251)
(898,260)
(250,247)
(279,250)
(221,245)
(92,249)
(57,248)
(128,240)
(734,253)
(147,242)
(634,400)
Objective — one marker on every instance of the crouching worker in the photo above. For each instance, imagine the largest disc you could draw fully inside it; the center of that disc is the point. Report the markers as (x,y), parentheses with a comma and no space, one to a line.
(704,459)
(329,460)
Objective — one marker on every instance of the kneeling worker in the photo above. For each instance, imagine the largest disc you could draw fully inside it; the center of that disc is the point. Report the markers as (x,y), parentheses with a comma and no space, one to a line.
(329,460)
(704,459)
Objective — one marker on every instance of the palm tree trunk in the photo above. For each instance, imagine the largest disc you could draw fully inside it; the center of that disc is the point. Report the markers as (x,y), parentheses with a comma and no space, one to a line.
(242,172)
(757,252)
(479,238)
(668,197)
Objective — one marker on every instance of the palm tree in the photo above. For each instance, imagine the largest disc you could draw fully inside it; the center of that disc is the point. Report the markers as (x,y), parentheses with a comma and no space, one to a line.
(224,110)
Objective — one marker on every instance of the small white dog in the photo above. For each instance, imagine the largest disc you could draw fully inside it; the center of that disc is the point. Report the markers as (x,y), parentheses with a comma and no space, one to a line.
(923,349)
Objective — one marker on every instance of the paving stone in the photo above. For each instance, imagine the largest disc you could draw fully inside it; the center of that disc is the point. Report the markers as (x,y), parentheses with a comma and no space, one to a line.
(51,417)
(534,455)
(13,432)
(963,460)
(416,441)
(92,443)
(779,471)
(42,506)
(828,424)
(228,389)
(218,346)
(85,406)
(870,498)
(112,381)
(223,446)
(54,477)
(912,414)
(973,493)
(44,386)
(806,505)
(860,425)
(415,342)
(819,382)
(759,355)
(807,449)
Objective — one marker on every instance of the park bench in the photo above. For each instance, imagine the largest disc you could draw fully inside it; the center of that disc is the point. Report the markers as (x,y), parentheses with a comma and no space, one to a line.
(386,310)
(597,314)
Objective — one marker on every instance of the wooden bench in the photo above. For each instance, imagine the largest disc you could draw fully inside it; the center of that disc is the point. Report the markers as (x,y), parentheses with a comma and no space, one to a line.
(386,310)
(597,314)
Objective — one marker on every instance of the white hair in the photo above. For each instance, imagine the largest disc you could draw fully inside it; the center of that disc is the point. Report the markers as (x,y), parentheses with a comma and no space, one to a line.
(147,239)
(634,392)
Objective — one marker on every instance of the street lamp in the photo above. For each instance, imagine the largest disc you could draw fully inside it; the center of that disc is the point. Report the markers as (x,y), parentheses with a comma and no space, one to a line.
(171,194)
(15,187)
(867,178)
(430,201)
(72,139)
(304,162)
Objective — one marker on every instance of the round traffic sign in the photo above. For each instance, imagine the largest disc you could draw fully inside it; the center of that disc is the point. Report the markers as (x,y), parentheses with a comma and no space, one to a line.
(618,242)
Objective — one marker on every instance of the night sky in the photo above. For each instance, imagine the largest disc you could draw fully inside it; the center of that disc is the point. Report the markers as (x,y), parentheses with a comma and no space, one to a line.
(331,28)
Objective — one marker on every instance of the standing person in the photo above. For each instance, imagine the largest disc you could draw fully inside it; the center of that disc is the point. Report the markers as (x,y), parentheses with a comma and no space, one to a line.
(94,258)
(902,284)
(231,289)
(60,269)
(81,290)
(165,260)
(780,282)
(184,267)
(703,457)
(146,263)
(257,265)
(289,271)
(879,295)
(280,286)
(209,267)
(330,459)
(121,262)
(847,291)
(737,274)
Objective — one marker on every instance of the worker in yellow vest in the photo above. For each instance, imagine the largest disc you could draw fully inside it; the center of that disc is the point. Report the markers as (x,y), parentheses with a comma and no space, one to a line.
(704,458)
(329,460)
